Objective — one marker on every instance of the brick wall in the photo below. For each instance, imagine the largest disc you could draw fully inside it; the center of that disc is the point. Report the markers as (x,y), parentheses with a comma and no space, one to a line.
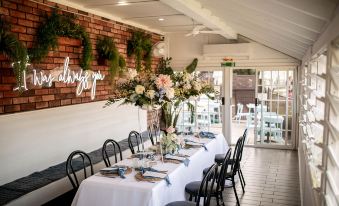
(25,17)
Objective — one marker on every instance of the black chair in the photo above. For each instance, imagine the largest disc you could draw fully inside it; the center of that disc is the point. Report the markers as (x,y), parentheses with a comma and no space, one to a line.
(205,189)
(135,139)
(114,149)
(152,131)
(193,187)
(219,158)
(235,167)
(77,161)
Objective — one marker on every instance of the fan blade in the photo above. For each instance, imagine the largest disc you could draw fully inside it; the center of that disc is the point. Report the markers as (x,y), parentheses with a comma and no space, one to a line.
(189,34)
(210,32)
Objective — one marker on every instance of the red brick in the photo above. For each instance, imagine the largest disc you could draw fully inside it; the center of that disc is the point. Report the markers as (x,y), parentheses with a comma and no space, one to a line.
(60,84)
(35,99)
(27,23)
(31,31)
(26,37)
(41,91)
(32,17)
(8,80)
(1,95)
(66,102)
(69,41)
(24,8)
(6,87)
(6,101)
(65,90)
(18,14)
(12,108)
(27,107)
(62,48)
(76,101)
(18,29)
(9,5)
(48,97)
(4,11)
(2,110)
(69,49)
(40,105)
(31,4)
(54,103)
(20,100)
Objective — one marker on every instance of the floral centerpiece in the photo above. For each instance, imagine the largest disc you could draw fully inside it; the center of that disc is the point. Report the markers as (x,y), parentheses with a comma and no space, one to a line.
(170,143)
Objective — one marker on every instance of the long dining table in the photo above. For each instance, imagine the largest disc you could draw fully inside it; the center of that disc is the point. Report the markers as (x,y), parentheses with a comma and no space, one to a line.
(105,191)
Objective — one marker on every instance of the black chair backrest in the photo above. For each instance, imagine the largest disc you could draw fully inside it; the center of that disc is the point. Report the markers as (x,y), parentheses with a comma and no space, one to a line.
(244,136)
(77,161)
(207,184)
(153,131)
(110,145)
(236,156)
(135,139)
(223,171)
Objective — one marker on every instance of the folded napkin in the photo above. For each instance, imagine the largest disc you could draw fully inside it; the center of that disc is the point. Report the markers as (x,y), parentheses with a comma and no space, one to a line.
(208,135)
(149,174)
(193,143)
(145,169)
(184,160)
(141,155)
(116,169)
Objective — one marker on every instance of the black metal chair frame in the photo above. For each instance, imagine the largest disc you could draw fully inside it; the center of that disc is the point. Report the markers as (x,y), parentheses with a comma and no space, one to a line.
(71,173)
(138,138)
(241,176)
(116,150)
(235,167)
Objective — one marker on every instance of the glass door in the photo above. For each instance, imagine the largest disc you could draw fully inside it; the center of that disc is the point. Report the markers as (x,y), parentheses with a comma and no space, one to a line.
(272,113)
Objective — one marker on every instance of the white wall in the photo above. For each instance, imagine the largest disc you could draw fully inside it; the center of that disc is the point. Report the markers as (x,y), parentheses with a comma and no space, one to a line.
(34,141)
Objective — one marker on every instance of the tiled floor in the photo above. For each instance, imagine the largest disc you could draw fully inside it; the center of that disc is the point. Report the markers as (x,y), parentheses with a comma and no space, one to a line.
(271,179)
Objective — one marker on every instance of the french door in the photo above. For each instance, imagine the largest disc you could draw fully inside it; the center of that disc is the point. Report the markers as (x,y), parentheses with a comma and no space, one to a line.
(263,103)
(273,116)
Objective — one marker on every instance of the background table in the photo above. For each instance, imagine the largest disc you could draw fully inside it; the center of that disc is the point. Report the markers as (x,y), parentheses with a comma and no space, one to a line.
(103,191)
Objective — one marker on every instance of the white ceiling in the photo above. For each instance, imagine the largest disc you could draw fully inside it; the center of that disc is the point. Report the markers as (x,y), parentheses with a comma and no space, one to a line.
(289,26)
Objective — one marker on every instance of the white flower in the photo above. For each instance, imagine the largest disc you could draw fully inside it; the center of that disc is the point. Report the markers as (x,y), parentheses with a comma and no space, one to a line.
(132,73)
(187,86)
(170,130)
(150,94)
(139,89)
(187,77)
(197,85)
(169,93)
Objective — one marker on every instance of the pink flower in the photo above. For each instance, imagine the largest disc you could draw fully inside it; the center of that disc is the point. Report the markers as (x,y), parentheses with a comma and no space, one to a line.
(163,81)
(170,130)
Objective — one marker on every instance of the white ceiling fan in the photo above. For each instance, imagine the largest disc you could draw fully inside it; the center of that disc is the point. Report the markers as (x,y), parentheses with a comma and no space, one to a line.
(159,49)
(198,30)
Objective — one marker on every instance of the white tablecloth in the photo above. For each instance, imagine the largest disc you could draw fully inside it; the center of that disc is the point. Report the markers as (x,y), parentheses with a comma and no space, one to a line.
(104,191)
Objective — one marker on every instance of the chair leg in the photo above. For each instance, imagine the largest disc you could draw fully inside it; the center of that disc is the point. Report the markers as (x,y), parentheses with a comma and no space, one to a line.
(243,179)
(217,196)
(222,199)
(241,182)
(190,198)
(235,191)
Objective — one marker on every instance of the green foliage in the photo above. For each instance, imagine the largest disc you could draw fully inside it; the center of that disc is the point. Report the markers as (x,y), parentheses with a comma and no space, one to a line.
(14,50)
(122,64)
(192,66)
(107,50)
(164,66)
(61,25)
(140,45)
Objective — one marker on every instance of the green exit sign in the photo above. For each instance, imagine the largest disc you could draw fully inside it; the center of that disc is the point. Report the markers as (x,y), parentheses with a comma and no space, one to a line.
(228,64)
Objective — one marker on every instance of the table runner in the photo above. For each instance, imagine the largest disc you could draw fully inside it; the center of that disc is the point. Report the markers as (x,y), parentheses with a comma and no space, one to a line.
(104,191)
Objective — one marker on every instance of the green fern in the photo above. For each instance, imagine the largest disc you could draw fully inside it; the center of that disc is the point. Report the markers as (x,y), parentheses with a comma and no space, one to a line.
(107,50)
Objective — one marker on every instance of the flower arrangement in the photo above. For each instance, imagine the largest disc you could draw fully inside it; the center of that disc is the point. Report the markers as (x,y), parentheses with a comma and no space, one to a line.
(170,143)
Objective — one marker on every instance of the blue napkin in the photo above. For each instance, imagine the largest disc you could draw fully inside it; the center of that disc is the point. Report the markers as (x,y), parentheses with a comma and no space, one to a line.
(186,162)
(202,144)
(143,170)
(208,135)
(121,172)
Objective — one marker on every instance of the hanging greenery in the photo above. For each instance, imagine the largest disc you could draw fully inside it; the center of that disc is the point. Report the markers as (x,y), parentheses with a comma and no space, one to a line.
(61,25)
(140,45)
(14,50)
(122,64)
(107,50)
(164,66)
(192,66)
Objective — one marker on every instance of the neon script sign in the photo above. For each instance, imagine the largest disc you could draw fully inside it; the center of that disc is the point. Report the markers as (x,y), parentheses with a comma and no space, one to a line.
(84,79)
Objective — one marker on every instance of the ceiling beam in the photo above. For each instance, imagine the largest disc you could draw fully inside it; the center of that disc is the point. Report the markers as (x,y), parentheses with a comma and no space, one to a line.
(193,9)
(127,3)
(283,13)
(152,17)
